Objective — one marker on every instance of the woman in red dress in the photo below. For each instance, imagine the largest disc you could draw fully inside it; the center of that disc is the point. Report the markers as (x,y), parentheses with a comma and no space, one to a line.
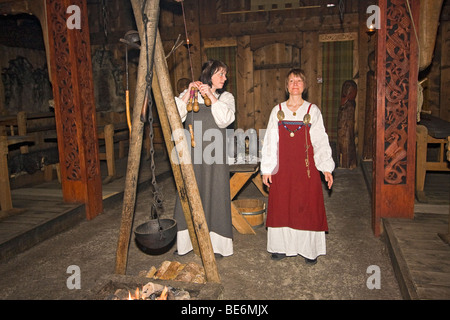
(295,149)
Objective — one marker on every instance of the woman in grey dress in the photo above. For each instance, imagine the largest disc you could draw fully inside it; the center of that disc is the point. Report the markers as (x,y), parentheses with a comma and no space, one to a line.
(209,157)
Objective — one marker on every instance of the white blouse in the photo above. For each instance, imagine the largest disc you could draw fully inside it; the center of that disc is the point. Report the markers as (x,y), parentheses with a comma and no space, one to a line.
(319,138)
(223,110)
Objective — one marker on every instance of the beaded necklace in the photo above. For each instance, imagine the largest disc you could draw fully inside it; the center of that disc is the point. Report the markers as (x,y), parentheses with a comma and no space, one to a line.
(292,133)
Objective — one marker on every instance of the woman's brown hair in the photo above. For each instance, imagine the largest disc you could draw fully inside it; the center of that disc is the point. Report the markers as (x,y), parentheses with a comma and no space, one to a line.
(298,73)
(209,68)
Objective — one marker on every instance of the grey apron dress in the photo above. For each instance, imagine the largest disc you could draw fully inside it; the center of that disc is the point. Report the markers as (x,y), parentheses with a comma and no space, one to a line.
(213,179)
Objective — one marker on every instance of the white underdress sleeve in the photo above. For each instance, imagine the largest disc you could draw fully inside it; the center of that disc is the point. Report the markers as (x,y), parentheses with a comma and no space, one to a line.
(269,152)
(319,140)
(222,110)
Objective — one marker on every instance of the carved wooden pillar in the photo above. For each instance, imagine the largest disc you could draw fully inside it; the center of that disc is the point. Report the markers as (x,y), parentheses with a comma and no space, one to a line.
(71,74)
(397,75)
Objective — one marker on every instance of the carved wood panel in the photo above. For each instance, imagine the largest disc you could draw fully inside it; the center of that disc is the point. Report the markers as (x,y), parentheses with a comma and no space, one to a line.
(62,83)
(395,136)
(71,72)
(398,52)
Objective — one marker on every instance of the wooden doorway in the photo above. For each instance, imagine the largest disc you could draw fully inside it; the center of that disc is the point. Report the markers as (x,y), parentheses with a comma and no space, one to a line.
(271,64)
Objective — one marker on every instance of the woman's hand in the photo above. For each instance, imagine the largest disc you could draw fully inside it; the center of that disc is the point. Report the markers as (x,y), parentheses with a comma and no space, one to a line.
(187,95)
(267,179)
(205,90)
(329,179)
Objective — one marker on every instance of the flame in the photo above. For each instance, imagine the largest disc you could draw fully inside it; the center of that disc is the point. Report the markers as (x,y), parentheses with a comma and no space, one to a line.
(137,295)
(163,295)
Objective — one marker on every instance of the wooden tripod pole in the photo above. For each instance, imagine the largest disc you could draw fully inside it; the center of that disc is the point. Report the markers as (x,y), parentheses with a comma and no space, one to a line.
(134,154)
(180,183)
(187,170)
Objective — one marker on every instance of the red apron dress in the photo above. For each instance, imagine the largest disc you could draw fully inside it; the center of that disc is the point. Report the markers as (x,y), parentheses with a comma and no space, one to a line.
(296,200)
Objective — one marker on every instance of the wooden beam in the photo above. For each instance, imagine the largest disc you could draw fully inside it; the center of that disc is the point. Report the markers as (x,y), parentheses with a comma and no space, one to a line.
(187,171)
(134,155)
(5,195)
(294,25)
(269,9)
(292,38)
(179,182)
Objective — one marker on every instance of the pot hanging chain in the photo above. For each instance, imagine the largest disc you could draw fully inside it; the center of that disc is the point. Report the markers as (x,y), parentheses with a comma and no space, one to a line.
(148,106)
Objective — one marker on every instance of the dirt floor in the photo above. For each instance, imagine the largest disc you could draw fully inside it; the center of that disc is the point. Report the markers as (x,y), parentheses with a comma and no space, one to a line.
(249,274)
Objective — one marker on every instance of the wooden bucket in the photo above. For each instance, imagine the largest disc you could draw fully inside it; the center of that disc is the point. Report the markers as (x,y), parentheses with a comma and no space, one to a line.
(252,210)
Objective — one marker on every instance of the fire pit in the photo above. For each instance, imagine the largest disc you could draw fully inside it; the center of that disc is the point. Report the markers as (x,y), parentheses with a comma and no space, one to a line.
(116,287)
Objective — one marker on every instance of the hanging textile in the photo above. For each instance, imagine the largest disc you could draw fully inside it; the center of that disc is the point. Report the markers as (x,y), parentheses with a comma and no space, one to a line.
(337,66)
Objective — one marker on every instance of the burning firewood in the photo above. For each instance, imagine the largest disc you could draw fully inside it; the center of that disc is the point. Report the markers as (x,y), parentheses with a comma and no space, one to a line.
(163,295)
(151,291)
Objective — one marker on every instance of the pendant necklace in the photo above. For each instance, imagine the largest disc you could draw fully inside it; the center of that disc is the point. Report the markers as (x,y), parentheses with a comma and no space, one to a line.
(292,133)
(294,113)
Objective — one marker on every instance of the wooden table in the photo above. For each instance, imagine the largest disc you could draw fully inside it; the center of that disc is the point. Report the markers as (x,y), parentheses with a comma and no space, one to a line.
(242,173)
(430,130)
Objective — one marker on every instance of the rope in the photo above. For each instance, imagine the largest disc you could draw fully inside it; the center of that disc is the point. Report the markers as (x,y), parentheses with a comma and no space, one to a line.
(414,26)
(187,40)
(189,54)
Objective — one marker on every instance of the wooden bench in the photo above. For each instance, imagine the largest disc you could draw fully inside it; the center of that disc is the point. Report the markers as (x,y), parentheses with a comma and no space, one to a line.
(110,134)
(430,130)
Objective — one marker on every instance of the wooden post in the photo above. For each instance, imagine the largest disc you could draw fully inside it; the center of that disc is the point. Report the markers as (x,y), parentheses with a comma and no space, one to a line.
(73,91)
(395,145)
(180,183)
(134,155)
(22,128)
(108,132)
(5,194)
(187,171)
(421,160)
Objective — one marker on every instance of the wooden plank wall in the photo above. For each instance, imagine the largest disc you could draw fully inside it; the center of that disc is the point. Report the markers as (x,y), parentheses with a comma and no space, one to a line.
(445,72)
(268,44)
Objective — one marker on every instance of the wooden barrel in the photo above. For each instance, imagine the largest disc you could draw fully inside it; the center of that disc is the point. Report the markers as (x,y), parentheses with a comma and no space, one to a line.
(252,210)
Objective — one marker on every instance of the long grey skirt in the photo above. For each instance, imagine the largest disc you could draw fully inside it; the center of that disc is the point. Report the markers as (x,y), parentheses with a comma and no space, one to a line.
(212,174)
